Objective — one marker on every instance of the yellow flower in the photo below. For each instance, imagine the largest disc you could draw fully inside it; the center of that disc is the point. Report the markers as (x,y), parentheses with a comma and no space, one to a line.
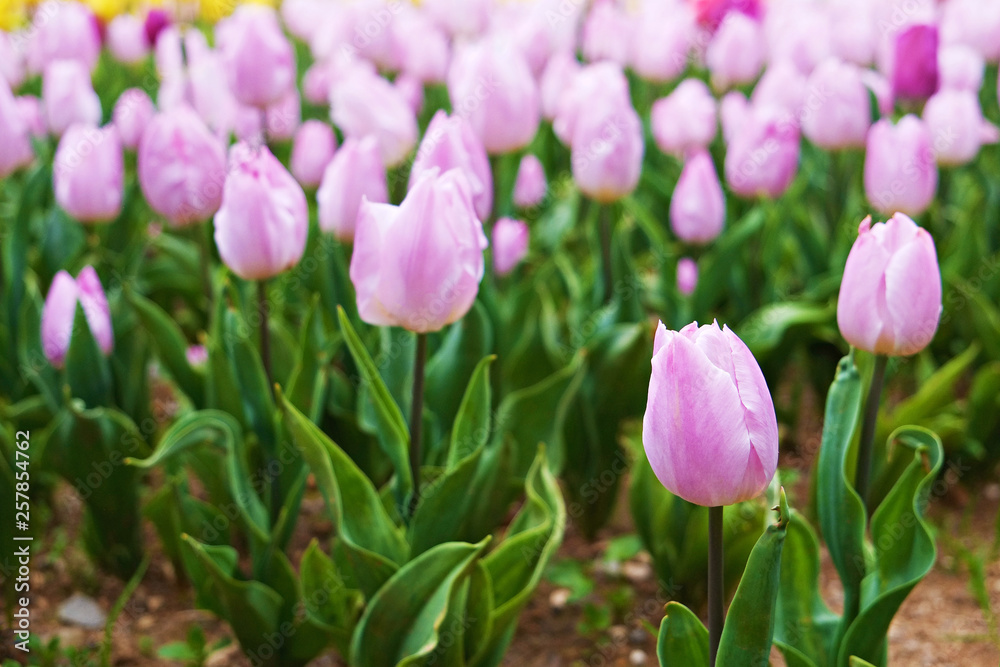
(12,14)
(107,9)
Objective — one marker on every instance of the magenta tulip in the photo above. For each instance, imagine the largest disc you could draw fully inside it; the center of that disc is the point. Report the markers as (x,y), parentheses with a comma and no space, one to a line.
(530,186)
(88,176)
(63,30)
(684,120)
(710,432)
(59,313)
(711,13)
(915,73)
(510,245)
(418,265)
(157,20)
(736,52)
(259,59)
(132,113)
(837,113)
(363,104)
(763,155)
(127,40)
(687,276)
(698,207)
(355,174)
(68,96)
(900,169)
(450,143)
(312,151)
(890,297)
(15,139)
(182,167)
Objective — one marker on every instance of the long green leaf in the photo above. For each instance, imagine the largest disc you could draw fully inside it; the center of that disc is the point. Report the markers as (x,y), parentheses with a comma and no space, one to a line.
(683,639)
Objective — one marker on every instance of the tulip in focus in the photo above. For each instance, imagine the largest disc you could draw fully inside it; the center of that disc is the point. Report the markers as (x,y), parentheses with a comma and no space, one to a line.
(59,313)
(132,113)
(418,265)
(68,96)
(685,119)
(181,167)
(127,40)
(312,151)
(842,116)
(450,143)
(736,52)
(363,104)
(710,432)
(15,140)
(956,121)
(355,174)
(259,60)
(698,206)
(510,244)
(763,154)
(900,170)
(915,73)
(530,186)
(88,176)
(890,297)
(687,276)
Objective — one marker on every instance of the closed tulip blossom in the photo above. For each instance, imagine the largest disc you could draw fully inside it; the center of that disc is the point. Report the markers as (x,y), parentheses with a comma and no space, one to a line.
(602,82)
(607,33)
(530,185)
(842,116)
(915,73)
(63,31)
(284,117)
(12,66)
(972,23)
(182,166)
(30,108)
(710,432)
(510,244)
(450,143)
(607,150)
(262,224)
(127,40)
(88,176)
(663,37)
(355,174)
(556,78)
(763,155)
(420,47)
(312,151)
(259,59)
(157,20)
(418,265)
(783,87)
(132,113)
(363,103)
(685,119)
(890,296)
(956,121)
(687,276)
(736,52)
(59,313)
(900,170)
(698,207)
(961,68)
(68,96)
(15,140)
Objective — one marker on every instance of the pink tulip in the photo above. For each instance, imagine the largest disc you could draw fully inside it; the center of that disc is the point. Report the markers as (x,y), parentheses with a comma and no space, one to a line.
(363,104)
(420,47)
(530,186)
(491,86)
(15,140)
(89,173)
(529,27)
(783,87)
(68,96)
(132,113)
(317,83)
(466,18)
(698,207)
(607,150)
(12,68)
(557,77)
(684,120)
(259,60)
(763,155)
(418,265)
(838,110)
(312,151)
(207,91)
(450,143)
(798,33)
(411,90)
(607,33)
(736,52)
(853,32)
(900,173)
(974,24)
(355,174)
(510,245)
(687,276)
(734,110)
(890,297)
(284,117)
(262,225)
(956,123)
(182,167)
(915,73)
(662,41)
(59,313)
(30,108)
(603,82)
(168,54)
(63,30)
(127,39)
(197,356)
(711,13)
(710,432)
(961,68)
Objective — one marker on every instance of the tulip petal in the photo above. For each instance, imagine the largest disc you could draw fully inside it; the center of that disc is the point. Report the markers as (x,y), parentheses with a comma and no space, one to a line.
(913,296)
(57,317)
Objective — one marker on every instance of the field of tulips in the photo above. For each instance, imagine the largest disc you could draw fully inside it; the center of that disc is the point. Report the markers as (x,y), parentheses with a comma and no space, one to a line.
(499,332)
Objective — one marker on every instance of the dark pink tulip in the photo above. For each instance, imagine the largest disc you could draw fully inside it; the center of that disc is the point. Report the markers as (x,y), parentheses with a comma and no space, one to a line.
(132,113)
(88,176)
(510,245)
(258,58)
(312,151)
(710,13)
(59,313)
(156,21)
(915,73)
(450,143)
(355,174)
(698,207)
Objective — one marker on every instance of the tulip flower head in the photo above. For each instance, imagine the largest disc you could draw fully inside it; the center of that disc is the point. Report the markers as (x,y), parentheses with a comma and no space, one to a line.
(900,170)
(15,140)
(312,151)
(89,173)
(915,73)
(710,432)
(132,113)
(890,297)
(450,143)
(59,313)
(530,185)
(698,206)
(259,59)
(68,96)
(687,275)
(685,119)
(510,244)
(355,174)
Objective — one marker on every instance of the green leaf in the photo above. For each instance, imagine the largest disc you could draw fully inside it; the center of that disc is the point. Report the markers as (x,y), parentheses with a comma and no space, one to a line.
(747,638)
(327,597)
(403,620)
(472,423)
(444,511)
(248,369)
(855,661)
(308,379)
(683,640)
(765,328)
(87,371)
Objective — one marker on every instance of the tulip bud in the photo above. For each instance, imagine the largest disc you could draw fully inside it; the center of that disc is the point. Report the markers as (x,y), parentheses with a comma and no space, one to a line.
(783,87)
(960,68)
(63,31)
(956,122)
(355,173)
(890,297)
(30,108)
(59,313)
(684,120)
(557,77)
(450,143)
(797,33)
(317,83)
(132,113)
(68,96)
(89,173)
(605,82)
(15,141)
(972,23)
(262,225)
(363,103)
(607,150)
(12,69)
(841,115)
(763,154)
(853,35)
(259,60)
(711,13)
(312,151)
(181,167)
(663,38)
(418,265)
(698,207)
(420,47)
(736,52)
(491,86)
(197,356)
(530,186)
(687,276)
(607,33)
(411,90)
(900,173)
(915,72)
(710,432)
(510,245)
(284,117)
(127,39)
(734,110)
(459,17)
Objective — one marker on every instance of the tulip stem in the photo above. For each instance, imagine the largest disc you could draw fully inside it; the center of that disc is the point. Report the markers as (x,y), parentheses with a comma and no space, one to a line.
(417,418)
(862,476)
(265,333)
(716,598)
(605,216)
